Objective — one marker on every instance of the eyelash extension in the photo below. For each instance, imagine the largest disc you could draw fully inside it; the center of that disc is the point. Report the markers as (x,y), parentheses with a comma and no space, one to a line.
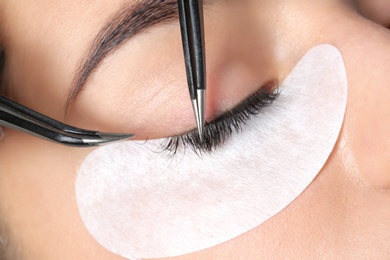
(219,130)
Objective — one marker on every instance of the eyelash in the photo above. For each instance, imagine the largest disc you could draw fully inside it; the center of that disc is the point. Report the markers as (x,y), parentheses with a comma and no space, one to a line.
(222,128)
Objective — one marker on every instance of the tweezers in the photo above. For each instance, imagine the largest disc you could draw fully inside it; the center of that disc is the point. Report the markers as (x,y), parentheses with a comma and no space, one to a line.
(192,32)
(16,116)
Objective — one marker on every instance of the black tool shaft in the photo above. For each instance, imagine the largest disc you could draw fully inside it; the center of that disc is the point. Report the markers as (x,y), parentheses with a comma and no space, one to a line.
(16,116)
(192,31)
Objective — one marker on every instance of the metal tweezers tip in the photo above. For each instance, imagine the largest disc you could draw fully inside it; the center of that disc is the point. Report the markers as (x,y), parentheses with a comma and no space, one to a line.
(114,137)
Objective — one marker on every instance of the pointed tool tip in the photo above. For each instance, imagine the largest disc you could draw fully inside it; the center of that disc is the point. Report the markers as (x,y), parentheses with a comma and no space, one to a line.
(201,103)
(106,138)
(199,118)
(114,137)
(201,136)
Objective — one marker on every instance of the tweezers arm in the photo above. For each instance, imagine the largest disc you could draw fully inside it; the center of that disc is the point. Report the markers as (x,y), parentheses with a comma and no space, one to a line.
(23,125)
(192,32)
(199,43)
(16,108)
(186,31)
(21,118)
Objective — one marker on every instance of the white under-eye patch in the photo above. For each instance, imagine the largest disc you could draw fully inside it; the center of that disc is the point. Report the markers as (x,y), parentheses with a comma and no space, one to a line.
(139,204)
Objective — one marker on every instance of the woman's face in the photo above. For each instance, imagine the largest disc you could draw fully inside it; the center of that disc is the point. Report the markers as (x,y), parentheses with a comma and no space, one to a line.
(140,87)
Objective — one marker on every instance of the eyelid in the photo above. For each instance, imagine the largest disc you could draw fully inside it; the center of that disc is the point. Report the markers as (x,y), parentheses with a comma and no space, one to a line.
(129,21)
(220,129)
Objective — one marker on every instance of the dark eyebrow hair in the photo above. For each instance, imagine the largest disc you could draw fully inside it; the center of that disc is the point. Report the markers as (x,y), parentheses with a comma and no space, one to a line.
(129,21)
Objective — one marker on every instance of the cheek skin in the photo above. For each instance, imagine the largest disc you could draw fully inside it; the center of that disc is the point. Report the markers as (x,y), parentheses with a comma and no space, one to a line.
(366,126)
(373,144)
(37,194)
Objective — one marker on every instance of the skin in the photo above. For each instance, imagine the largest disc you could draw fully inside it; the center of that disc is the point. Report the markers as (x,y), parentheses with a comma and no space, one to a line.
(344,213)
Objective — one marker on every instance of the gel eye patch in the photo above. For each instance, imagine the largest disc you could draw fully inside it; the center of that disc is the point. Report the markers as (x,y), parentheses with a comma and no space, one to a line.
(139,204)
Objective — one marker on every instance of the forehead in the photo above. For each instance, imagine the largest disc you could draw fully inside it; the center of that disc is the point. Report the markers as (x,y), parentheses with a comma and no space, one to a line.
(50,29)
(59,16)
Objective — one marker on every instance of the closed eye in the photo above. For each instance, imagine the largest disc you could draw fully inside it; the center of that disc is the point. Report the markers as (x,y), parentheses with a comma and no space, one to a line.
(222,128)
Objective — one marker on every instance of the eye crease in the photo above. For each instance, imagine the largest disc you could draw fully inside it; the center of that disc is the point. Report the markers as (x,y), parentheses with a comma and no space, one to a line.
(222,128)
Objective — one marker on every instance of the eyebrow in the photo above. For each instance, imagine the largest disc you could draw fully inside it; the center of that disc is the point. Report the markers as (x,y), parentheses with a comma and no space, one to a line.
(129,21)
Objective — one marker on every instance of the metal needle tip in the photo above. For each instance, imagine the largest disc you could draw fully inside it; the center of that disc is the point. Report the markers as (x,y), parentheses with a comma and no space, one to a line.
(114,137)
(199,111)
(105,138)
